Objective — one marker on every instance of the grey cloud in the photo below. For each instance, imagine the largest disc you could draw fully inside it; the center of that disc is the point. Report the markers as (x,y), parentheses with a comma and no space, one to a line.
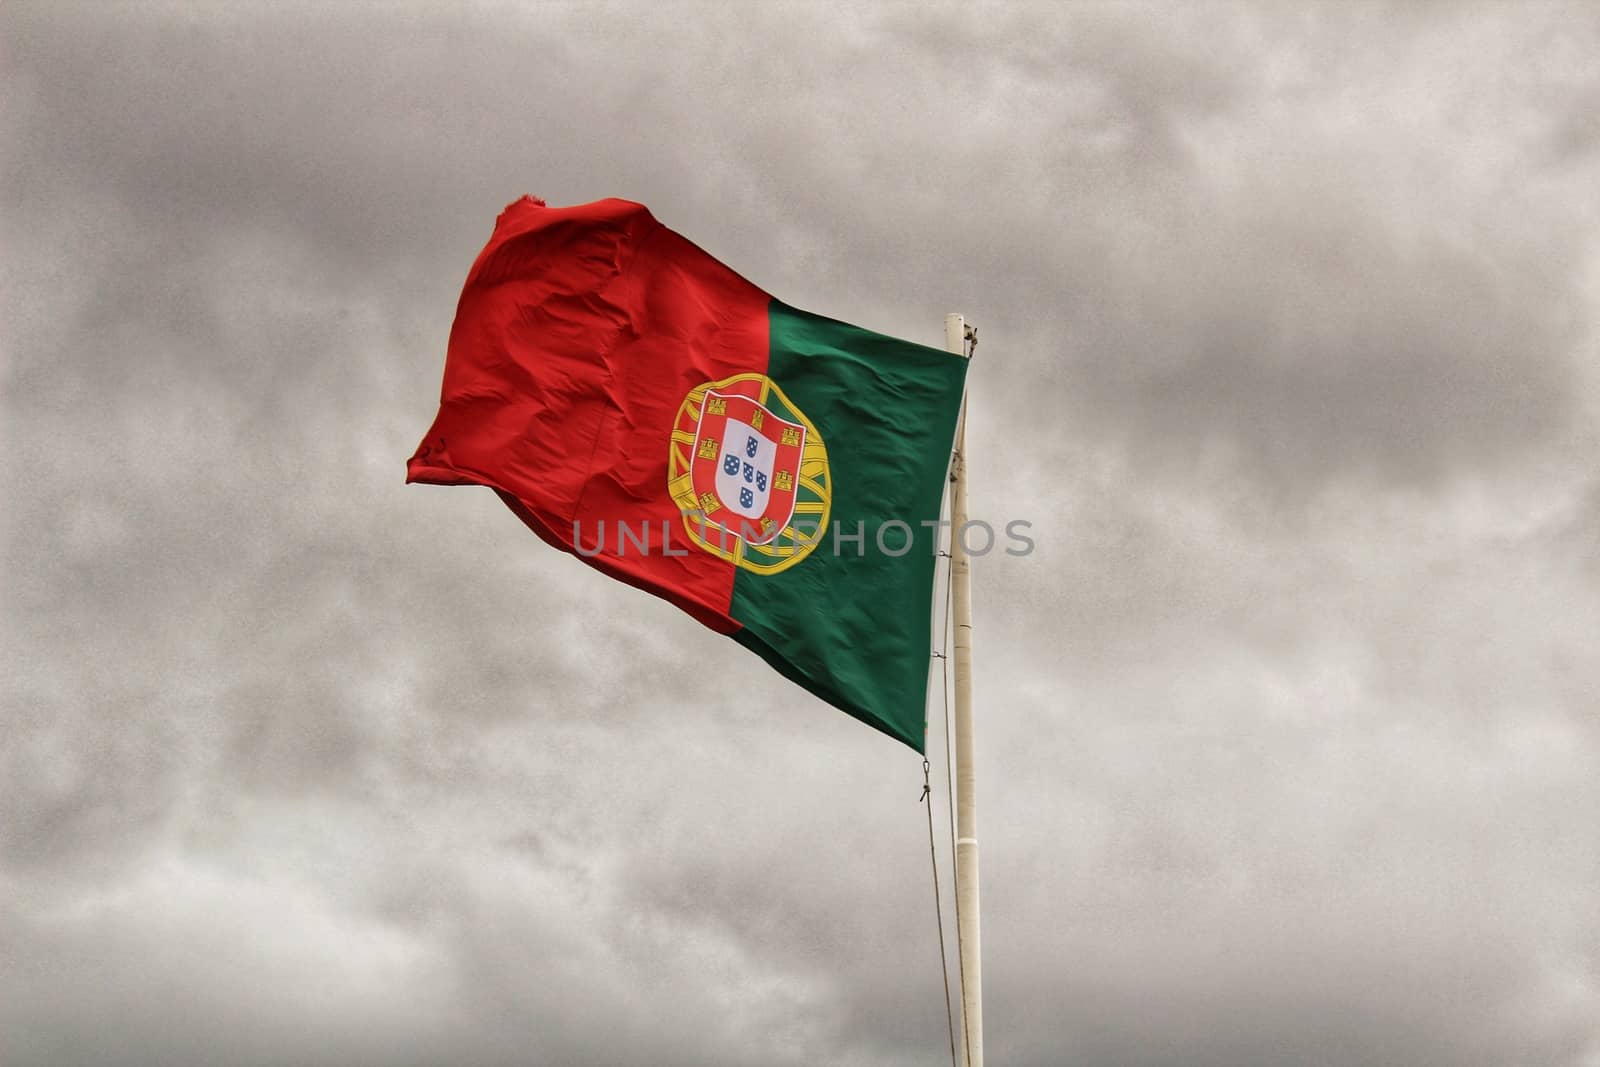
(1287,745)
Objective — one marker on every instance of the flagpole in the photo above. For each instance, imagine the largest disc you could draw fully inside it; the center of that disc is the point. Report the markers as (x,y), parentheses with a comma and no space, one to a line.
(955,338)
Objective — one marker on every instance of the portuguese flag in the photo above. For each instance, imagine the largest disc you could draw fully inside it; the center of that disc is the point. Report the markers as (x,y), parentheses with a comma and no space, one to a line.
(776,474)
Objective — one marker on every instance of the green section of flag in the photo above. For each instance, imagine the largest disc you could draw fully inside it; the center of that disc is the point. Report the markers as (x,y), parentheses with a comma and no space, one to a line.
(851,622)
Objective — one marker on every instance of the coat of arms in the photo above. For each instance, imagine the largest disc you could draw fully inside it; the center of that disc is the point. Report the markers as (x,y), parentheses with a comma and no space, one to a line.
(750,473)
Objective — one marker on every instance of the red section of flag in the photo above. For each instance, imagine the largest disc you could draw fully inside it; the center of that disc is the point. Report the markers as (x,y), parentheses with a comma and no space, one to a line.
(579,333)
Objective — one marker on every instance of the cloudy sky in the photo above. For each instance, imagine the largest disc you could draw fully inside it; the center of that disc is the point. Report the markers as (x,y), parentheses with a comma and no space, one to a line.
(1289,742)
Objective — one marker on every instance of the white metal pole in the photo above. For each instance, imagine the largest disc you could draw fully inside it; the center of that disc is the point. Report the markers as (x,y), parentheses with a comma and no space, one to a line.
(955,335)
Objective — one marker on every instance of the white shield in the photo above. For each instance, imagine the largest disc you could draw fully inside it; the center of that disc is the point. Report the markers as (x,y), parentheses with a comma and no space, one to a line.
(744,470)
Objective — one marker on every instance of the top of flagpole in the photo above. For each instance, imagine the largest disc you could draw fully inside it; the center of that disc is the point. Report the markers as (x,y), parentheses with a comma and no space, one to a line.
(955,333)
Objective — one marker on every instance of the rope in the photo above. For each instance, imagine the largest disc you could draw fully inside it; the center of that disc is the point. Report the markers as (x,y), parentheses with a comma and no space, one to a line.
(938,912)
(957,456)
(949,777)
(949,771)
